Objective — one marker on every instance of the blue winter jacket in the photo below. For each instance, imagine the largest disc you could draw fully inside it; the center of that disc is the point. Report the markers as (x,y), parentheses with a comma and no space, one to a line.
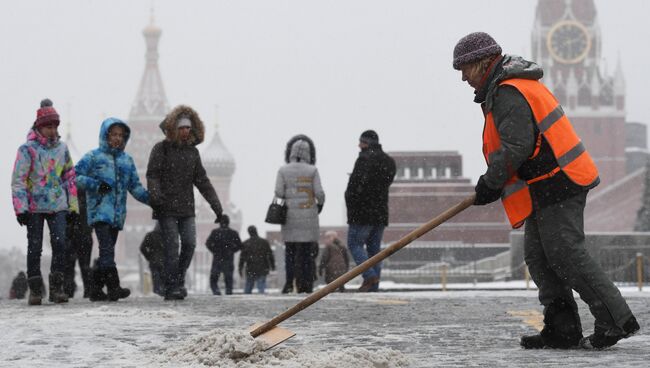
(116,168)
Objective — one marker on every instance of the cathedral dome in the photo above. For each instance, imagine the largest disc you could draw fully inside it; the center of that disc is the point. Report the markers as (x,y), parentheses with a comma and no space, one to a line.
(218,161)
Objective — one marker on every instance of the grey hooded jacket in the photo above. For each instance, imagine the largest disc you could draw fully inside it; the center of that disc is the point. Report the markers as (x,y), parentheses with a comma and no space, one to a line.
(298,184)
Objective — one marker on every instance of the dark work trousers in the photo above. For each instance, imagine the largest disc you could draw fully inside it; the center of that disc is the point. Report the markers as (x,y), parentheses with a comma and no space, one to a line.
(56,222)
(78,250)
(219,266)
(106,237)
(554,250)
(176,264)
(305,265)
(289,261)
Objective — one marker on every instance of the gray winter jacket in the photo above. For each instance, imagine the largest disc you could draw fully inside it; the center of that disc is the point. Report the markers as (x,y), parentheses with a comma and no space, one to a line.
(298,183)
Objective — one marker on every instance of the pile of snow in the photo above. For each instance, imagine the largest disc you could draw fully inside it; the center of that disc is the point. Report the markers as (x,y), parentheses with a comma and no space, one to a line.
(228,349)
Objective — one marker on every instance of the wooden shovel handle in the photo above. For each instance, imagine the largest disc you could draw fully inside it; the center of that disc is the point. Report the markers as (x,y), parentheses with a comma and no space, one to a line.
(343,279)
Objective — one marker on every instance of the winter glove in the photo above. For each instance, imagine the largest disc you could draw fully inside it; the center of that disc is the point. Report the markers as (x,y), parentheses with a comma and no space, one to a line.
(72,218)
(241,273)
(157,201)
(23,218)
(320,207)
(104,188)
(485,194)
(218,219)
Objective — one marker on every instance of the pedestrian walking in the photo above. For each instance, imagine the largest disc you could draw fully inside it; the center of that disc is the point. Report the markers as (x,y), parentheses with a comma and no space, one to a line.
(78,248)
(223,243)
(298,184)
(541,170)
(174,169)
(106,174)
(334,260)
(19,286)
(256,260)
(366,199)
(43,189)
(153,250)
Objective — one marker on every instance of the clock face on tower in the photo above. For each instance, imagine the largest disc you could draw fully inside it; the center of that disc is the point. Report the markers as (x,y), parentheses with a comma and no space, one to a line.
(568,42)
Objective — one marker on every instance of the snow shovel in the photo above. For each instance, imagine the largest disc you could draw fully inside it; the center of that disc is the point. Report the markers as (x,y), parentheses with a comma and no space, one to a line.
(272,335)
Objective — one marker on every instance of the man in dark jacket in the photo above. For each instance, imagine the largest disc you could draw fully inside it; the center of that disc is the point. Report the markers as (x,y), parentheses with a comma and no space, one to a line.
(223,242)
(519,113)
(174,169)
(366,198)
(257,259)
(153,250)
(18,286)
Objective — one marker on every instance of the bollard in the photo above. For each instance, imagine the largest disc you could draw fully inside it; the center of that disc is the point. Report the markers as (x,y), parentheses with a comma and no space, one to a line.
(527,277)
(444,277)
(639,270)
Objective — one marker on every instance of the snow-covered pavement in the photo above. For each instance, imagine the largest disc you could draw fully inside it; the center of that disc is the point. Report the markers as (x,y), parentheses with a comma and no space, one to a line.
(392,329)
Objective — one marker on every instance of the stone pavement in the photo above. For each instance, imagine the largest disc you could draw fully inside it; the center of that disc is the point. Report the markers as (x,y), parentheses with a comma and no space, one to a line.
(433,329)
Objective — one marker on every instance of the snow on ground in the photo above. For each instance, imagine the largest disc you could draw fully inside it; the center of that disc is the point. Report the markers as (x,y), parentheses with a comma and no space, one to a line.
(479,328)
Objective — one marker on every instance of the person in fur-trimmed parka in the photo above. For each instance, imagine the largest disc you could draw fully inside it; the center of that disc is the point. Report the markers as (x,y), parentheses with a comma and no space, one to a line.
(298,184)
(174,169)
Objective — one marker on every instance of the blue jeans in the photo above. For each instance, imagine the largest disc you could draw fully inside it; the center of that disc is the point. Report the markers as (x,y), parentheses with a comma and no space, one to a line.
(56,222)
(259,281)
(219,267)
(176,264)
(370,236)
(106,237)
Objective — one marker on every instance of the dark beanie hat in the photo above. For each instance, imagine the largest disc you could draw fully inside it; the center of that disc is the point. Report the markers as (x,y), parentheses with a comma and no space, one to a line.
(369,137)
(46,115)
(252,230)
(474,47)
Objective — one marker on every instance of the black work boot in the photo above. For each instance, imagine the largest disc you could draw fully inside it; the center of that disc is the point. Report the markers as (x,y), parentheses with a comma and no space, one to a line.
(562,328)
(602,338)
(57,295)
(112,280)
(96,286)
(288,288)
(35,290)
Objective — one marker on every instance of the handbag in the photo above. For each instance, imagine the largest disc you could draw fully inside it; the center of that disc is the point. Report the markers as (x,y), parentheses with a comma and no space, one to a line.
(277,212)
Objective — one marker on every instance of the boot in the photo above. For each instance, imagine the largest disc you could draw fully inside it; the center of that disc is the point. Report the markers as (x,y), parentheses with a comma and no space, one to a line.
(95,286)
(562,328)
(112,280)
(602,338)
(181,285)
(288,288)
(35,290)
(173,294)
(57,295)
(369,284)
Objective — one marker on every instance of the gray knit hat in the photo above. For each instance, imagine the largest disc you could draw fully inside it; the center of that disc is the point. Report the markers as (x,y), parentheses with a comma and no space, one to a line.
(474,47)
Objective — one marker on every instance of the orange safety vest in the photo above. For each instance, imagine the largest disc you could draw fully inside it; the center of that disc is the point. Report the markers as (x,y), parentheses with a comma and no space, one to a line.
(569,152)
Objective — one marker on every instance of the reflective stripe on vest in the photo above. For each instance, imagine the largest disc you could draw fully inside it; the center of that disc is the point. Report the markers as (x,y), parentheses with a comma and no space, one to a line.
(570,154)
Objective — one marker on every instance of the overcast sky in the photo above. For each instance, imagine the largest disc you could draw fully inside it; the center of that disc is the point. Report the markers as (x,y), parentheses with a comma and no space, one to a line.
(328,69)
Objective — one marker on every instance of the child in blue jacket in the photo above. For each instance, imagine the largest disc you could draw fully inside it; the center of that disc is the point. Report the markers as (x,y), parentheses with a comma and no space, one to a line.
(106,174)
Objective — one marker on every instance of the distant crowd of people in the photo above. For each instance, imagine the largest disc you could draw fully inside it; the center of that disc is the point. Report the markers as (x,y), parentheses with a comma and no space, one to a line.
(75,200)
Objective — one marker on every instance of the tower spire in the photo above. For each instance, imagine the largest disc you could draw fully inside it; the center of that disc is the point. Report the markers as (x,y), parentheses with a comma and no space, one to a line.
(151,101)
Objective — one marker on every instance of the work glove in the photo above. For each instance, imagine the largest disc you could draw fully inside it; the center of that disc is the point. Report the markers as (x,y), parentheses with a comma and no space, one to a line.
(320,207)
(104,188)
(23,218)
(485,194)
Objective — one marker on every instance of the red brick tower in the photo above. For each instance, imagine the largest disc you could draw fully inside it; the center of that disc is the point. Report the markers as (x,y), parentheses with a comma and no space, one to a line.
(566,42)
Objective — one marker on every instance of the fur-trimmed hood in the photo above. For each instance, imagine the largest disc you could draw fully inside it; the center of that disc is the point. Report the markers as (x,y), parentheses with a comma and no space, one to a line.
(168,125)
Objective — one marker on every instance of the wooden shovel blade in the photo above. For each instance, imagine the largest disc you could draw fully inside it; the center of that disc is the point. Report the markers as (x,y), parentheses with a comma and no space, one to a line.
(272,337)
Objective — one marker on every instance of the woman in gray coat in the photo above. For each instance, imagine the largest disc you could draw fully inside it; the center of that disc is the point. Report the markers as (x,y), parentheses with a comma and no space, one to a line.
(298,184)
